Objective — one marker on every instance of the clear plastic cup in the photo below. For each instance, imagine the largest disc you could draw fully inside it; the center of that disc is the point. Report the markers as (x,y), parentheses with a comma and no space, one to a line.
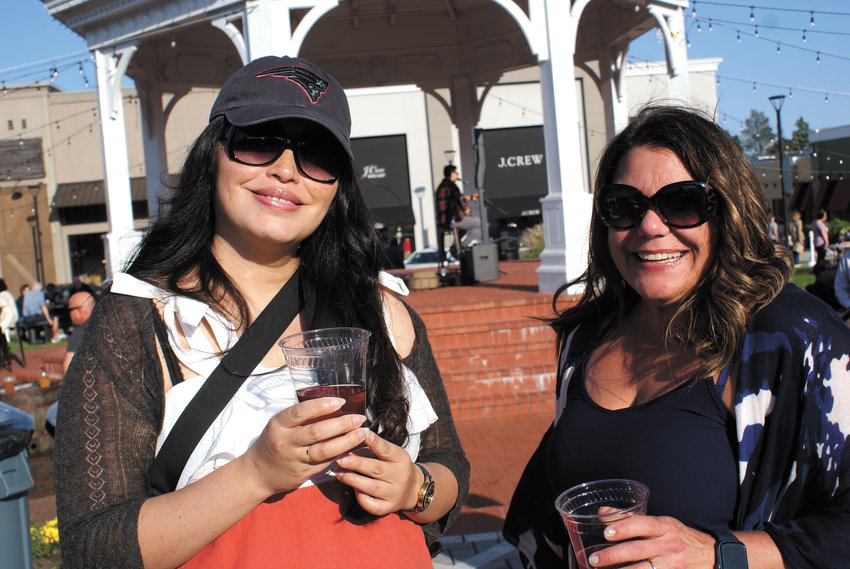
(588,508)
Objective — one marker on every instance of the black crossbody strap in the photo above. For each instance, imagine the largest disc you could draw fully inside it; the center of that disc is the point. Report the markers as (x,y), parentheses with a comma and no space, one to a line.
(221,385)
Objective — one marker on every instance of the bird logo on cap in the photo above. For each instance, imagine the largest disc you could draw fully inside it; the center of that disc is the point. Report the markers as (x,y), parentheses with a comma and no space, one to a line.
(313,85)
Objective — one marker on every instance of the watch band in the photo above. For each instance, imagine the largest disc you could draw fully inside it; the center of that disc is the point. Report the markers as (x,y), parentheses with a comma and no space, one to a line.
(426,491)
(729,552)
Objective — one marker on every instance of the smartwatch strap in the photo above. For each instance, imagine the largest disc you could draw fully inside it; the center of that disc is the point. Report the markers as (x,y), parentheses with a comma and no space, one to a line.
(729,551)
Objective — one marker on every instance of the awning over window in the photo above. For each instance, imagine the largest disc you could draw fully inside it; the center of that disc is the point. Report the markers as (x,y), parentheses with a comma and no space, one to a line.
(380,162)
(21,159)
(801,199)
(514,171)
(79,194)
(823,195)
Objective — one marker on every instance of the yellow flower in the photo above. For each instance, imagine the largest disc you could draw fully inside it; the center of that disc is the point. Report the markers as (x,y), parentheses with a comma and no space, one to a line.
(49,534)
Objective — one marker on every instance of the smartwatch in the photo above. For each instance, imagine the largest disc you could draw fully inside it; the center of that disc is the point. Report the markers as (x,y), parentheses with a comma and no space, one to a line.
(729,552)
(426,491)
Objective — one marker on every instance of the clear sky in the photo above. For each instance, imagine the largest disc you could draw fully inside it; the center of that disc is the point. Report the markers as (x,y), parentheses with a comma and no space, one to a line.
(32,44)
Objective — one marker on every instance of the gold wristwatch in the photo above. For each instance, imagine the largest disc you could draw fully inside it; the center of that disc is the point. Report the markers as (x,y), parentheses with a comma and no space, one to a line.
(426,491)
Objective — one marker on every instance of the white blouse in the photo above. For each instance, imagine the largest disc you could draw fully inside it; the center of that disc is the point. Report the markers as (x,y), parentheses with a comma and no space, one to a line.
(264,394)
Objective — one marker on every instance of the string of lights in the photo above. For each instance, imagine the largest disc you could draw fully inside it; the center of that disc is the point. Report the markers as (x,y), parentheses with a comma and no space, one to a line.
(753,7)
(819,54)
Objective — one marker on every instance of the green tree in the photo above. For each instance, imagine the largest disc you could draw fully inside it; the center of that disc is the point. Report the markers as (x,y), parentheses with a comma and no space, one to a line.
(799,142)
(757,135)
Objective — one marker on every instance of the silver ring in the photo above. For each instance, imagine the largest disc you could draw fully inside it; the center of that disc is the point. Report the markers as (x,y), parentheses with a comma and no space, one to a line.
(652,563)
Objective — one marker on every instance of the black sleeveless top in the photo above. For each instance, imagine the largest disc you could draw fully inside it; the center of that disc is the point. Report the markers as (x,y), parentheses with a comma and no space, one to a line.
(681,444)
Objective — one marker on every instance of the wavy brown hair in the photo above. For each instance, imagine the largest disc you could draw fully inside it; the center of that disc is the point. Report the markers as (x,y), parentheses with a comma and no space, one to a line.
(748,269)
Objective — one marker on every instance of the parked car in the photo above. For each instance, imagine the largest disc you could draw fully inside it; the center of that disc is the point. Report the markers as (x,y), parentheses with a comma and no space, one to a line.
(427,259)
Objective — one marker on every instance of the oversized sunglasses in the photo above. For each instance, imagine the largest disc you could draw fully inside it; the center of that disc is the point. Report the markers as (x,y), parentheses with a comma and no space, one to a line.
(680,204)
(317,158)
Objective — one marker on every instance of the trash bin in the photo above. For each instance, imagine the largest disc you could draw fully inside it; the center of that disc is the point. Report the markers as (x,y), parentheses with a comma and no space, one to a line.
(15,480)
(508,248)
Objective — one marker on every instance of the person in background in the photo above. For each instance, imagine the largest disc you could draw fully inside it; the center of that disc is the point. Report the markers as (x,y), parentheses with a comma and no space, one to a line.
(19,302)
(80,306)
(36,311)
(450,208)
(470,225)
(690,364)
(821,233)
(8,310)
(798,236)
(267,197)
(842,283)
(772,229)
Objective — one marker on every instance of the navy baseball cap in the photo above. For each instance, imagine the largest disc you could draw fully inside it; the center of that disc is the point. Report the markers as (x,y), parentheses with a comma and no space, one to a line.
(272,88)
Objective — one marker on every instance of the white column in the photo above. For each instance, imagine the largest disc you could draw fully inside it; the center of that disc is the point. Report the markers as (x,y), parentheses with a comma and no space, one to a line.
(464,102)
(268,28)
(121,238)
(672,24)
(566,209)
(153,140)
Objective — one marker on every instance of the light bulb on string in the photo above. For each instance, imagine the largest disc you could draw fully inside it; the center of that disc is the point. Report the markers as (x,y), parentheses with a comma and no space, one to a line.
(739,35)
(752,15)
(818,58)
(710,27)
(778,50)
(699,28)
(754,86)
(757,31)
(812,19)
(826,98)
(173,41)
(688,40)
(804,36)
(694,9)
(790,93)
(81,69)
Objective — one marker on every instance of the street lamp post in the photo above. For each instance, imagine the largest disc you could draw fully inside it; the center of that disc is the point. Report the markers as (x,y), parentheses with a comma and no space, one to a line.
(776,102)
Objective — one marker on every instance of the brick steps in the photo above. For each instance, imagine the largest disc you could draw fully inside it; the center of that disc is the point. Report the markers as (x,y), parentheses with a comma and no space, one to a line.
(490,333)
(495,358)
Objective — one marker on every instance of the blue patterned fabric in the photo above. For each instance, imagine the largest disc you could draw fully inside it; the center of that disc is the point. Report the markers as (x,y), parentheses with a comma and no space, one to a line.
(792,409)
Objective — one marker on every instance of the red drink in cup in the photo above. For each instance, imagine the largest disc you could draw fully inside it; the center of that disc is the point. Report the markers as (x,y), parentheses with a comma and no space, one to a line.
(354,395)
(329,362)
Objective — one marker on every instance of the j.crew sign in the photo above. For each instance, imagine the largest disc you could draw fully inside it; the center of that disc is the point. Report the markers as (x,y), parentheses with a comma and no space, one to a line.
(374,172)
(520,161)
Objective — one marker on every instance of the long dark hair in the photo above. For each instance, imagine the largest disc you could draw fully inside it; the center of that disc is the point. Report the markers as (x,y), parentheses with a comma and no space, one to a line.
(748,269)
(340,261)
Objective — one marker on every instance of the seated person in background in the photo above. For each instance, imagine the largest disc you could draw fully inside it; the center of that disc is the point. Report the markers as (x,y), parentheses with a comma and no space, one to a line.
(80,307)
(36,311)
(8,310)
(19,302)
(842,282)
(824,285)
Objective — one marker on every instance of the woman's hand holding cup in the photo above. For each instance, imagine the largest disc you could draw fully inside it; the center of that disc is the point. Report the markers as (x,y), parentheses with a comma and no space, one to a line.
(298,443)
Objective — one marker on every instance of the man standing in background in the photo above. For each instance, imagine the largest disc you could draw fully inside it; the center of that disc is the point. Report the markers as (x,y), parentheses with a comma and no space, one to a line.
(449,204)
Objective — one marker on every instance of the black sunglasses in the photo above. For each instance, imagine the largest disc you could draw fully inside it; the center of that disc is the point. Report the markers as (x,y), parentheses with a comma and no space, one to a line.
(680,204)
(316,158)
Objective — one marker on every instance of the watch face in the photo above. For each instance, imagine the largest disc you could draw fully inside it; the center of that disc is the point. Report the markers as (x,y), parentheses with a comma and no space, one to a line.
(429,495)
(732,555)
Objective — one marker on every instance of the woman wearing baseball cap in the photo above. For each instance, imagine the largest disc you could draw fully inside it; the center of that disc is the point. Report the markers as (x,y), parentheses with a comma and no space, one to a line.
(266,211)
